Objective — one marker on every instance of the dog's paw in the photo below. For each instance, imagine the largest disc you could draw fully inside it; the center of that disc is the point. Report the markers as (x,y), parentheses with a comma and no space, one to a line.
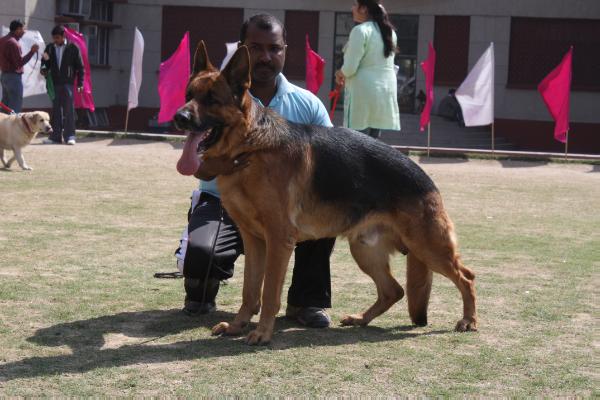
(466,325)
(220,328)
(258,337)
(354,320)
(225,328)
(27,168)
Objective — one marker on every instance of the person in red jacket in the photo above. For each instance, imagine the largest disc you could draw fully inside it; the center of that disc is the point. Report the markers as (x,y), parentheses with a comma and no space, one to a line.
(11,65)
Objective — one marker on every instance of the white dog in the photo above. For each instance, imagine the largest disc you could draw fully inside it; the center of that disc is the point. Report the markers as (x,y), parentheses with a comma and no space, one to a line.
(18,130)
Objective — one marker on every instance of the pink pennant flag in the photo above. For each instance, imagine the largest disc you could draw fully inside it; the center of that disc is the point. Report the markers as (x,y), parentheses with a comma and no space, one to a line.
(556,92)
(173,78)
(83,99)
(315,66)
(428,67)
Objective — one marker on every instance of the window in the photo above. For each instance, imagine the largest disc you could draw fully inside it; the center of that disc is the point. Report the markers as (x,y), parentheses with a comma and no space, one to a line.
(97,39)
(93,18)
(529,62)
(451,42)
(74,7)
(101,10)
(298,24)
(407,31)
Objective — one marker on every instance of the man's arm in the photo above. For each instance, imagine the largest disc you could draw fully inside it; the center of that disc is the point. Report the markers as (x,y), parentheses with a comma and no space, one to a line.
(45,63)
(13,53)
(320,114)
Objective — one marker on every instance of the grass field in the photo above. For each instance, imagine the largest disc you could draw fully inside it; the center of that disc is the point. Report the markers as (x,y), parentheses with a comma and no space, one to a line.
(82,315)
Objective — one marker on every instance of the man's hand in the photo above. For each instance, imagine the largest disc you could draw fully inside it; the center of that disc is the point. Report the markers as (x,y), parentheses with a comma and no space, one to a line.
(212,167)
(35,48)
(44,72)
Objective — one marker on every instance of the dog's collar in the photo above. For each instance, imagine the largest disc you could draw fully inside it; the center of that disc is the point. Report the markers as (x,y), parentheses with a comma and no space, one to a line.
(27,126)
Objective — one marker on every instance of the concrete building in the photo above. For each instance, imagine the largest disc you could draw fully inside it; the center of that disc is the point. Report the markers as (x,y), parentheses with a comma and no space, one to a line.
(530,38)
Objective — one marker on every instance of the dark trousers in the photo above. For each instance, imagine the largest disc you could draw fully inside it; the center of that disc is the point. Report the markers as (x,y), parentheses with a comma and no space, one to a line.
(12,90)
(63,113)
(214,243)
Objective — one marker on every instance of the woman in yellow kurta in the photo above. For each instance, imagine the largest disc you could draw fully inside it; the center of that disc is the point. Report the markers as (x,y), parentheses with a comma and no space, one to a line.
(370,100)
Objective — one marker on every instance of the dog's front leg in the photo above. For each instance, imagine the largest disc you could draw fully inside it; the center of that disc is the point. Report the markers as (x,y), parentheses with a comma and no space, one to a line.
(20,159)
(254,272)
(278,255)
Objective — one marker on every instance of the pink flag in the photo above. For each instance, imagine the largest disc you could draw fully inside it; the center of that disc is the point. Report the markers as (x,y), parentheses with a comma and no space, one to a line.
(315,66)
(556,91)
(428,67)
(173,78)
(83,99)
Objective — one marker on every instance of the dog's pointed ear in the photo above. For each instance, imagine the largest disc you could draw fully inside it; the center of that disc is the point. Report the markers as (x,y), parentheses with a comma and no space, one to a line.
(237,71)
(201,61)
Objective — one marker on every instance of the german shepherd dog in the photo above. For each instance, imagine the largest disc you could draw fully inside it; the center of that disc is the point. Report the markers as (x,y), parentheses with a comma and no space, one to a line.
(307,182)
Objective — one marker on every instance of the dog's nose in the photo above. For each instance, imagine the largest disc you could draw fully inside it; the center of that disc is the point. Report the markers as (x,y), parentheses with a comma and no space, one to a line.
(183,119)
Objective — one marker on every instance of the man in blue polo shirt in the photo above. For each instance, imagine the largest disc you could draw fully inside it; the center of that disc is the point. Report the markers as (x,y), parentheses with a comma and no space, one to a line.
(213,240)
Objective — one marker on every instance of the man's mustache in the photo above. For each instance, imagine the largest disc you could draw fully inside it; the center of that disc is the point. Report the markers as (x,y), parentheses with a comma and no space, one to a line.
(264,65)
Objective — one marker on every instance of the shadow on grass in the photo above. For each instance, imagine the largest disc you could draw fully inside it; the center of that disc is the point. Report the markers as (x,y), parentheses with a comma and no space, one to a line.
(522,164)
(596,168)
(442,160)
(86,340)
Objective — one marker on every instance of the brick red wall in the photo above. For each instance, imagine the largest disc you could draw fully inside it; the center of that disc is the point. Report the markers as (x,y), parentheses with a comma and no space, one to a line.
(539,136)
(451,42)
(298,24)
(214,25)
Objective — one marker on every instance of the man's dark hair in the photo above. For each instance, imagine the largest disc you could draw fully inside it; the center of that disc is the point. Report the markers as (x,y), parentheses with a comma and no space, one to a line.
(16,24)
(264,22)
(58,30)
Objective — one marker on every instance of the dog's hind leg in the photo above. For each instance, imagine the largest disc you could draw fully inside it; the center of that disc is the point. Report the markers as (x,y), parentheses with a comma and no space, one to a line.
(437,249)
(418,289)
(2,158)
(254,272)
(373,259)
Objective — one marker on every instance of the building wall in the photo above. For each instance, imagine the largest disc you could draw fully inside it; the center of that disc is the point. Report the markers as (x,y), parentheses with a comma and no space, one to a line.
(490,21)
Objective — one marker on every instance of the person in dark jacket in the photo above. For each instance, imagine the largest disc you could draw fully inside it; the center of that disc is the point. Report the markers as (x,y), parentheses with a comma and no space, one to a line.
(63,64)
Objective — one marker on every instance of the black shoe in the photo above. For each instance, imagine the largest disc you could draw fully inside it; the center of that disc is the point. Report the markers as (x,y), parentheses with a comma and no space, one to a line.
(312,317)
(200,296)
(192,308)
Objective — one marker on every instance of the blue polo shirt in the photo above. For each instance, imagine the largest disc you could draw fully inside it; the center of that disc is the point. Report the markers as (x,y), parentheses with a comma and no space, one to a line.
(292,103)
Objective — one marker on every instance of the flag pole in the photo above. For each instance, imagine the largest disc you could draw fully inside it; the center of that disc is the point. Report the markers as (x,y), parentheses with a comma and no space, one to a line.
(126,119)
(493,136)
(428,137)
(567,145)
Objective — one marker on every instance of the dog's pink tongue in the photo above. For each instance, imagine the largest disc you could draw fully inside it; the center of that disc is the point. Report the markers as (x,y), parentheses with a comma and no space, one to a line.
(188,162)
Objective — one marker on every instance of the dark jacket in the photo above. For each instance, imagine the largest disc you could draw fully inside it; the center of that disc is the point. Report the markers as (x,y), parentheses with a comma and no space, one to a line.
(70,66)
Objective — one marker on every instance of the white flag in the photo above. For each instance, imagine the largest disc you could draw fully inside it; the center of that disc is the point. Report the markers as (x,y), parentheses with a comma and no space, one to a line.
(135,79)
(231,48)
(476,94)
(33,82)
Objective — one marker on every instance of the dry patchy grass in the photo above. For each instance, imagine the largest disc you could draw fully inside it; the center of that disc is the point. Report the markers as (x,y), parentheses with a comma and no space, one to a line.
(80,313)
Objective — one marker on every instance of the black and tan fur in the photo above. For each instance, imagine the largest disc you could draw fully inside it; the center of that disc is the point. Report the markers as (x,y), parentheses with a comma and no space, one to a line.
(307,182)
